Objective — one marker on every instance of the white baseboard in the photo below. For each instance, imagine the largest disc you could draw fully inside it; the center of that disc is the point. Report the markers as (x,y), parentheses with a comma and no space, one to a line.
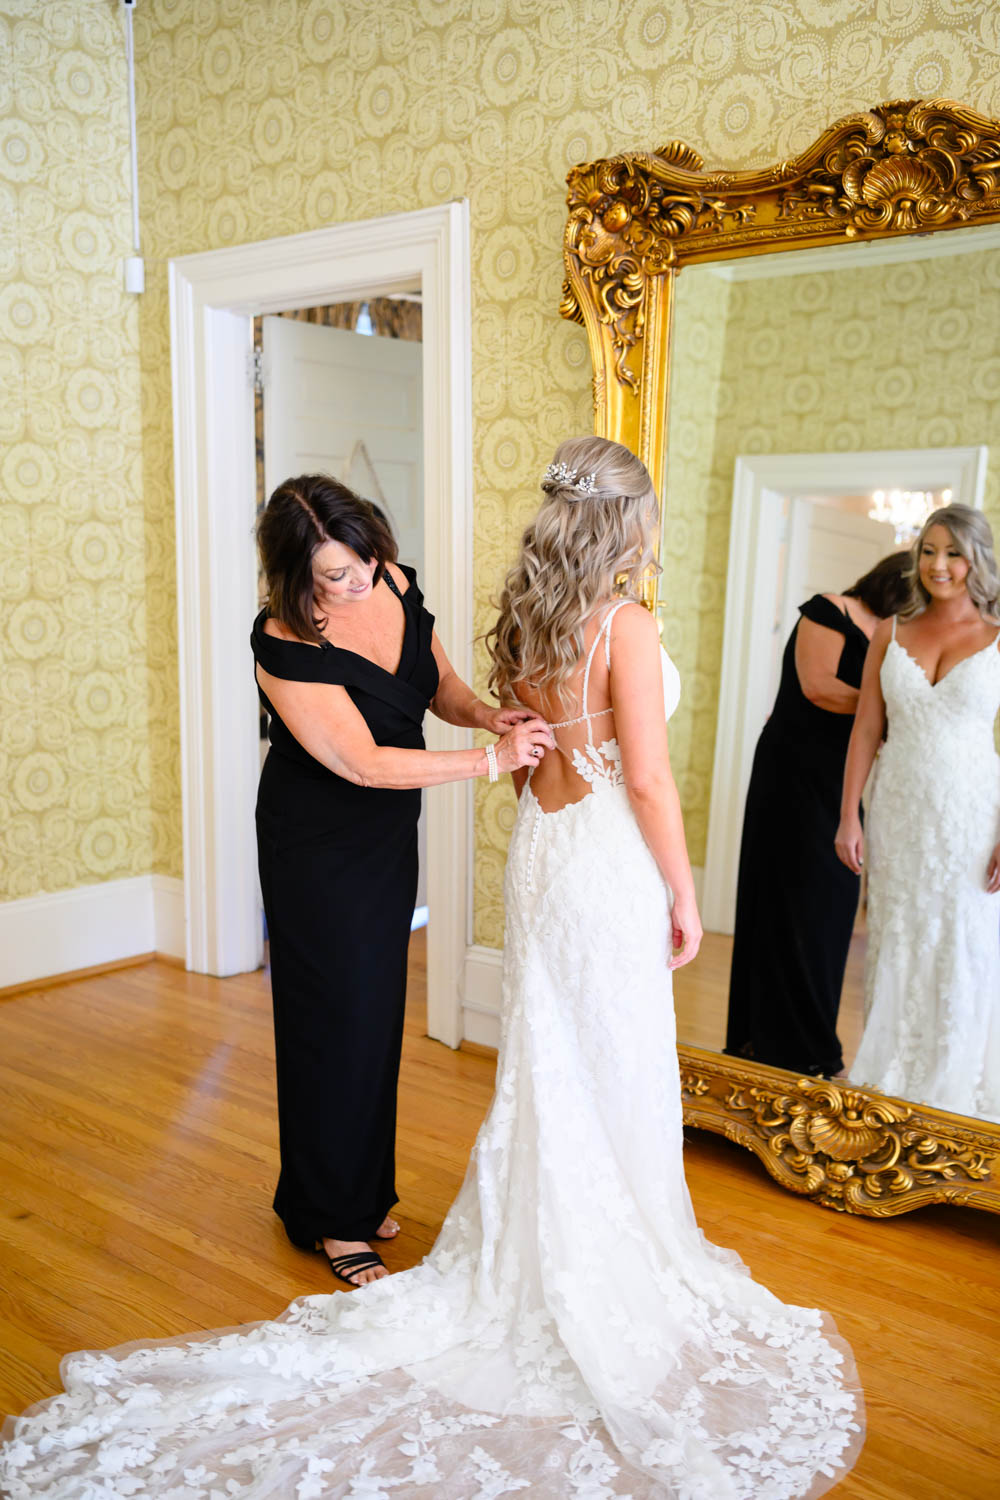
(481,996)
(94,924)
(168,916)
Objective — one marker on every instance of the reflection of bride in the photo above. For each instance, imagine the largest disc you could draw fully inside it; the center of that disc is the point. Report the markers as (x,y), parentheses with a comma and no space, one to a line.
(932,974)
(571,1333)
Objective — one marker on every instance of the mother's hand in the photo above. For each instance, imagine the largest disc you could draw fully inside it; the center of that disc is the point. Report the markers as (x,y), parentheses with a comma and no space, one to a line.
(525,744)
(850,844)
(499,720)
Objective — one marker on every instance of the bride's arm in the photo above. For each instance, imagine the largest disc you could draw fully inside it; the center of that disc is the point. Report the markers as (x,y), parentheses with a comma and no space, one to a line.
(641,729)
(866,736)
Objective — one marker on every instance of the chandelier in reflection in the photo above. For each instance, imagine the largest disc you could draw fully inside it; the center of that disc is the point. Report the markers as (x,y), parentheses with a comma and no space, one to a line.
(906,510)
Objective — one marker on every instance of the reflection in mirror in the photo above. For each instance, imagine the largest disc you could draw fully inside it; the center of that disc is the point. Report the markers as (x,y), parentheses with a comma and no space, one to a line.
(801,383)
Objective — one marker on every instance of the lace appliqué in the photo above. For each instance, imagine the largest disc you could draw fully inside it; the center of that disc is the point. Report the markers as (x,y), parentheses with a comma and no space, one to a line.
(600,766)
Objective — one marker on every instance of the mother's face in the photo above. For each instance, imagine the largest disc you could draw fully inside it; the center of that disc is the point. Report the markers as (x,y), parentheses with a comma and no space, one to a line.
(339,576)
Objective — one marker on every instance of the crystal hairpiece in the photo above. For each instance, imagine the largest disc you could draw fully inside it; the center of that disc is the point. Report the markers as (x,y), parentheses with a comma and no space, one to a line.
(561,474)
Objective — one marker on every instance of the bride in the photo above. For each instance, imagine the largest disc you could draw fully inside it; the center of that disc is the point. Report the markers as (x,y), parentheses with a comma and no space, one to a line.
(571,1333)
(932,969)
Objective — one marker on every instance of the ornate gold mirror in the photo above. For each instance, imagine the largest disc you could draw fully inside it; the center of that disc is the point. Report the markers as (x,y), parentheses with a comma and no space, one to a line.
(752,386)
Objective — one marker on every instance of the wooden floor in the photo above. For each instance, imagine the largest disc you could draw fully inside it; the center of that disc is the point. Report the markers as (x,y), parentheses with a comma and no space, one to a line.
(138,1158)
(701,992)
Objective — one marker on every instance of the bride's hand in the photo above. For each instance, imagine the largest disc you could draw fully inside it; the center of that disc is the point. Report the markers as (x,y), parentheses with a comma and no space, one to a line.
(524,745)
(993,873)
(850,844)
(685,933)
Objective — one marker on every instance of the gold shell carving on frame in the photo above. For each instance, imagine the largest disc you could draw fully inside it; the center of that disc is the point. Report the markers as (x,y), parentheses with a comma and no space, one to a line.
(847,1148)
(899,167)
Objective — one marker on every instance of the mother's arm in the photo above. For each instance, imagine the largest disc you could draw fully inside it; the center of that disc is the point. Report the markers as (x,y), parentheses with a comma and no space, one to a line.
(327,724)
(456,703)
(866,736)
(818,650)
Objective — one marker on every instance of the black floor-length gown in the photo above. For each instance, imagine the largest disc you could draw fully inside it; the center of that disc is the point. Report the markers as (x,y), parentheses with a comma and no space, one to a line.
(795,901)
(338,873)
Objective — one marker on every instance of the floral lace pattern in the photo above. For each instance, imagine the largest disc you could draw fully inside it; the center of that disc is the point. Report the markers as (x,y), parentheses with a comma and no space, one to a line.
(932,972)
(571,1334)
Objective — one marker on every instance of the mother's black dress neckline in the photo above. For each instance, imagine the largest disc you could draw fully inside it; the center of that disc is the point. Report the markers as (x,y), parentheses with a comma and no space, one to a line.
(338,873)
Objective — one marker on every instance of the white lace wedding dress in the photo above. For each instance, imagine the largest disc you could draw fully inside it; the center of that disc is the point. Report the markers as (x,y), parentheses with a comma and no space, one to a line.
(932,969)
(571,1334)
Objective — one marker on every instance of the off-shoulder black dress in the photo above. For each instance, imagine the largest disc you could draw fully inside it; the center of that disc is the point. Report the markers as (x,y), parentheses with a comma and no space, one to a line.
(338,873)
(795,901)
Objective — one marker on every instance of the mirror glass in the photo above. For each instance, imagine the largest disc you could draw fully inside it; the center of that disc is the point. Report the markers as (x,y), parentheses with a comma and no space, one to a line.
(801,384)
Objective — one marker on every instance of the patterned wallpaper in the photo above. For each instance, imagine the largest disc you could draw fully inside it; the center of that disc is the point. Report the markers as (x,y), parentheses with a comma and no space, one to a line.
(268,117)
(903,356)
(74,544)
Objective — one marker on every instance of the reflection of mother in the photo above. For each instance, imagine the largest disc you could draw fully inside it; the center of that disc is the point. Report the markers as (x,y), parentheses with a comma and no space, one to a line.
(795,902)
(347,664)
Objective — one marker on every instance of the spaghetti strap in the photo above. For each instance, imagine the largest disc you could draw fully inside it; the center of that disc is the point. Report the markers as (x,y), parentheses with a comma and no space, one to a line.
(604,631)
(893,637)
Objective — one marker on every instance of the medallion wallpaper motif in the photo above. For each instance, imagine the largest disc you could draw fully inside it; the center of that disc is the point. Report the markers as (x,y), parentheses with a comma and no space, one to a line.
(75,546)
(268,117)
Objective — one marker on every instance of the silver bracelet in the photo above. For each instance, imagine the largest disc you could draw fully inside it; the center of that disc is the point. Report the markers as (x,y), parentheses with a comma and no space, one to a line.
(491,763)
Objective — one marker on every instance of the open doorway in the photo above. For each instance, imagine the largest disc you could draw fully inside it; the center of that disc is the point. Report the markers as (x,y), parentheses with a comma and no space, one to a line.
(214,299)
(338,389)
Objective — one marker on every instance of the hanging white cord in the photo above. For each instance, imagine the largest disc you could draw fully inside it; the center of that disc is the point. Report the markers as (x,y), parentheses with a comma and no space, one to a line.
(135,273)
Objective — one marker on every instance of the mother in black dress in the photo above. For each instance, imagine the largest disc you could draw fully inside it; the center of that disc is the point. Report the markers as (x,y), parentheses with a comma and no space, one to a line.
(347,664)
(795,901)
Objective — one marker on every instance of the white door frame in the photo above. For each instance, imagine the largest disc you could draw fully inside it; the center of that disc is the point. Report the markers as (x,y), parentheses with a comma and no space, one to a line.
(760,484)
(214,297)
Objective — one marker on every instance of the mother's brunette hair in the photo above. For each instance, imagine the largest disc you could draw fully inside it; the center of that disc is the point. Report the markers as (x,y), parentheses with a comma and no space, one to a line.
(300,517)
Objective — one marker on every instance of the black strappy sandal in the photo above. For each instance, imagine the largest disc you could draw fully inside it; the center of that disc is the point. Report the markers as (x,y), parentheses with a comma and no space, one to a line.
(344,1266)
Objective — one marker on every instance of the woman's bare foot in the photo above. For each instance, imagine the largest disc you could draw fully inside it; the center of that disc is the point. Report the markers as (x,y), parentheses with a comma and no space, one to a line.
(336,1248)
(388,1229)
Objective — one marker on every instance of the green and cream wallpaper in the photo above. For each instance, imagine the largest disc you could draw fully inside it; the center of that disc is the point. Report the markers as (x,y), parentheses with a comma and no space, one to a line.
(75,803)
(268,117)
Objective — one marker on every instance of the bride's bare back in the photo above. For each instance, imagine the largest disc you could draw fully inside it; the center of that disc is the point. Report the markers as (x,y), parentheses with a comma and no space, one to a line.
(581,729)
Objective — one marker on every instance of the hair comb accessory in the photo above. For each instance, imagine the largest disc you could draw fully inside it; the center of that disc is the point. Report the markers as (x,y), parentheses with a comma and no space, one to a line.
(561,474)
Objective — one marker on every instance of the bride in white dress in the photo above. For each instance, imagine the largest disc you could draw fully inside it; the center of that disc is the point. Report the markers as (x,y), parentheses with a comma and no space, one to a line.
(571,1334)
(932,969)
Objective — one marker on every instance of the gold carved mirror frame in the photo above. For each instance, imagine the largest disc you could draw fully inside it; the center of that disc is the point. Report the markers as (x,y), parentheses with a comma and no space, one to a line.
(635,220)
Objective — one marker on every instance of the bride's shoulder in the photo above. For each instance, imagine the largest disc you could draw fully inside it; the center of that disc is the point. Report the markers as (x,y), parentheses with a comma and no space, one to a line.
(634,624)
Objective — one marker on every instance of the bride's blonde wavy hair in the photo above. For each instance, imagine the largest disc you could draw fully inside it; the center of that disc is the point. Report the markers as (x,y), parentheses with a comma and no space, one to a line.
(970,531)
(591,539)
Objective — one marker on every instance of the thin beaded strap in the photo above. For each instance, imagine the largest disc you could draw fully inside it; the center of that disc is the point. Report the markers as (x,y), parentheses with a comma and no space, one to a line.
(604,631)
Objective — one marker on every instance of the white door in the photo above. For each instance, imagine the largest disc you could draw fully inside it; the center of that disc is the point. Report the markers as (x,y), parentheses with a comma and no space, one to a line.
(841,545)
(350,405)
(829,547)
